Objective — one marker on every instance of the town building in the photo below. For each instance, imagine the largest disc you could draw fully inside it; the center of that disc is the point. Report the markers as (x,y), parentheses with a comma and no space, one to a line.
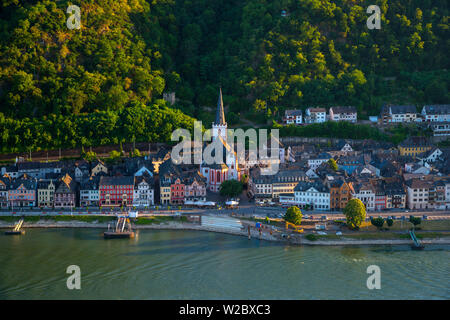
(414,146)
(436,113)
(315,161)
(143,194)
(4,183)
(314,195)
(440,129)
(89,193)
(177,190)
(395,194)
(315,115)
(10,171)
(98,167)
(116,191)
(195,187)
(347,113)
(22,192)
(293,117)
(340,192)
(419,194)
(350,163)
(45,193)
(365,192)
(398,114)
(65,195)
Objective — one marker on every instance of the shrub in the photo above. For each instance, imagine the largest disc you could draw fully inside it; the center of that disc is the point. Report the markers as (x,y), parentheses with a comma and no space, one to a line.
(377,222)
(389,222)
(415,220)
(311,237)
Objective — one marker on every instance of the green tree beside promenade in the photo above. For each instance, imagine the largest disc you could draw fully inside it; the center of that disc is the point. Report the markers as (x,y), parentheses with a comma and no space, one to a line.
(377,222)
(355,212)
(415,220)
(293,215)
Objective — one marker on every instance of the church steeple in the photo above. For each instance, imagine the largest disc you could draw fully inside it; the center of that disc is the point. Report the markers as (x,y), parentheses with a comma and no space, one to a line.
(220,115)
(219,127)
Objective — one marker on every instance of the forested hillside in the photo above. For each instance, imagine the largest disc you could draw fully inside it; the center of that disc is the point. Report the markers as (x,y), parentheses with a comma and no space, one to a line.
(61,87)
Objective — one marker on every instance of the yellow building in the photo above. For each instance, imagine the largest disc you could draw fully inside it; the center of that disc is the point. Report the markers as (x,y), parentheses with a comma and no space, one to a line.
(45,194)
(413,146)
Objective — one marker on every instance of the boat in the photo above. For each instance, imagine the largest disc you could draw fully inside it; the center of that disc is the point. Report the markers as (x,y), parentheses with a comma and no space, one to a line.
(17,229)
(12,232)
(122,229)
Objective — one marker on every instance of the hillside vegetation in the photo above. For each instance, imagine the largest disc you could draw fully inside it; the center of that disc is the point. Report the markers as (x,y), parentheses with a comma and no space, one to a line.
(67,88)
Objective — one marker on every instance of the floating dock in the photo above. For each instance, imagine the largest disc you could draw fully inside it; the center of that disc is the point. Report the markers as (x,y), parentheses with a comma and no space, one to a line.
(122,229)
(17,229)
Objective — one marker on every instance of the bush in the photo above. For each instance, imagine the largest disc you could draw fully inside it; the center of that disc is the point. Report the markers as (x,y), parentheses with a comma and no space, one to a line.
(311,237)
(415,220)
(377,222)
(389,222)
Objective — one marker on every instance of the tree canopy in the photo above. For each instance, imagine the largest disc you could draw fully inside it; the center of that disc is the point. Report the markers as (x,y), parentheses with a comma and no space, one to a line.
(130,52)
(230,188)
(293,215)
(355,212)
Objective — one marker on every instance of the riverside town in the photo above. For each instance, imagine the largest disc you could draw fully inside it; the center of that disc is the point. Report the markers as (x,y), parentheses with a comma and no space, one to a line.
(196,154)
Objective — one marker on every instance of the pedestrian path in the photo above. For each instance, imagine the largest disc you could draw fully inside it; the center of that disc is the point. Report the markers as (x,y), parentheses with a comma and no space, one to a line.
(221,222)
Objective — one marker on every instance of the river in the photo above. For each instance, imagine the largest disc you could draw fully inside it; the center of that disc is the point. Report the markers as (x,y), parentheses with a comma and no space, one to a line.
(163,264)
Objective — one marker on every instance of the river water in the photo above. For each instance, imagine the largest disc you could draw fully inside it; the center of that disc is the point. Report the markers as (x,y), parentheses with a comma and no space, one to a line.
(162,264)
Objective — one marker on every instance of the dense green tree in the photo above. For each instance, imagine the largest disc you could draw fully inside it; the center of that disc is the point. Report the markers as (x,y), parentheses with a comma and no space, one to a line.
(230,188)
(333,164)
(293,215)
(355,212)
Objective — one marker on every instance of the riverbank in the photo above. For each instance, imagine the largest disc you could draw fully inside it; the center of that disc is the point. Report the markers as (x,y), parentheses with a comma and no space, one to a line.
(172,225)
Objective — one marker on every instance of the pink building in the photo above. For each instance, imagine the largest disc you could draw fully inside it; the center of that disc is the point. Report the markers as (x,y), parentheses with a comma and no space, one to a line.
(22,193)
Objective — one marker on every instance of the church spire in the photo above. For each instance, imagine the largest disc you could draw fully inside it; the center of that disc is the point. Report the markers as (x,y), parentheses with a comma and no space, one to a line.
(220,115)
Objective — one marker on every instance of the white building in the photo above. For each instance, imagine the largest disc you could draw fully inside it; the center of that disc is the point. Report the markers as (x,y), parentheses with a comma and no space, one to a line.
(343,114)
(287,199)
(402,114)
(440,129)
(293,116)
(143,194)
(447,192)
(315,115)
(366,193)
(430,156)
(436,113)
(89,194)
(316,195)
(417,194)
(315,162)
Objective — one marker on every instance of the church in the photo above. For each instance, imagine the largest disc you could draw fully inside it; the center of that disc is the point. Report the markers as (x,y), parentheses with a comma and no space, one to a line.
(228,167)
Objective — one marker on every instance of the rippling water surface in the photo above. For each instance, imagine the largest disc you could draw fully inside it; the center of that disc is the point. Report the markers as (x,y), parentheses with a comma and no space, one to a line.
(160,264)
